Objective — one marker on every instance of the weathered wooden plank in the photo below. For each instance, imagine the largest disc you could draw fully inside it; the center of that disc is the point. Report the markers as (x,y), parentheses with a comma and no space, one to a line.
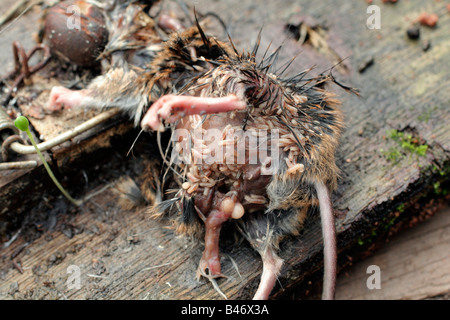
(387,179)
(413,265)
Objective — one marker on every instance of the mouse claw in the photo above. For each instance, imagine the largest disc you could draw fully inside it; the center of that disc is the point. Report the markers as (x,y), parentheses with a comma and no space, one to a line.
(159,110)
(209,269)
(54,103)
(203,271)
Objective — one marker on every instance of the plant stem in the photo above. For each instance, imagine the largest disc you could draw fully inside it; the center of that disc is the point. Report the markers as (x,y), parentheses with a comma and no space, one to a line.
(50,172)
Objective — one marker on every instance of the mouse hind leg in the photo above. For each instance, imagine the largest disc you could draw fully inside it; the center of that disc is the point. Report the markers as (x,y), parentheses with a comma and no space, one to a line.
(264,231)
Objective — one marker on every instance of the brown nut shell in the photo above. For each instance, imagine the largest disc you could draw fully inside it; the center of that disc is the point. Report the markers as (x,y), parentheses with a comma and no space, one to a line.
(76,32)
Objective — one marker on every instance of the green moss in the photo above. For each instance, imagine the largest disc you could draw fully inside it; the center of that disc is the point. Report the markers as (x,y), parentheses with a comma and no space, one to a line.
(439,190)
(436,186)
(426,115)
(360,241)
(441,171)
(386,223)
(392,155)
(406,145)
(389,221)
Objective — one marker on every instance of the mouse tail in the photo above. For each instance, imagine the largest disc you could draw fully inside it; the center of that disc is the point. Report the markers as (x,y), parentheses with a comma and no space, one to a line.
(329,239)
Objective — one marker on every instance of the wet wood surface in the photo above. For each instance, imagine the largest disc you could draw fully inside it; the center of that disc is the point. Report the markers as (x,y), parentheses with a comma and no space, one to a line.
(394,158)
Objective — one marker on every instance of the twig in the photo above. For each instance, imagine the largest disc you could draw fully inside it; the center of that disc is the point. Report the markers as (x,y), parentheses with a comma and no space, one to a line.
(17,265)
(18,250)
(13,238)
(8,15)
(158,266)
(63,137)
(18,165)
(96,276)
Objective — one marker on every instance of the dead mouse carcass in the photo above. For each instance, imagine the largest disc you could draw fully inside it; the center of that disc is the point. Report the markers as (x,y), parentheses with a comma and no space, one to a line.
(200,85)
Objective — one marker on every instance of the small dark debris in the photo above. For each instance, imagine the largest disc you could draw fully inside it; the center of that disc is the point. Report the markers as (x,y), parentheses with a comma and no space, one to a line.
(112,236)
(368,62)
(426,45)
(413,32)
(38,271)
(70,230)
(133,239)
(106,253)
(29,294)
(56,258)
(75,248)
(98,267)
(68,233)
(94,230)
(13,288)
(294,30)
(293,27)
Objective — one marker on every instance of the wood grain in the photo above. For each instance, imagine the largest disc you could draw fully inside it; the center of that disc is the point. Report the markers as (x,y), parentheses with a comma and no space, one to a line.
(413,265)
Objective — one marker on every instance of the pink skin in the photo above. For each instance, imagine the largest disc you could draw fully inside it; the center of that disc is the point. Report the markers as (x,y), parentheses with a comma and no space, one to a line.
(211,258)
(61,97)
(272,263)
(172,108)
(168,107)
(171,24)
(271,268)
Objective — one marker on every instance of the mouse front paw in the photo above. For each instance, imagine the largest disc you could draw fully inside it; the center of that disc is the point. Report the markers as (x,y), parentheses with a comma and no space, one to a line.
(61,97)
(172,108)
(161,109)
